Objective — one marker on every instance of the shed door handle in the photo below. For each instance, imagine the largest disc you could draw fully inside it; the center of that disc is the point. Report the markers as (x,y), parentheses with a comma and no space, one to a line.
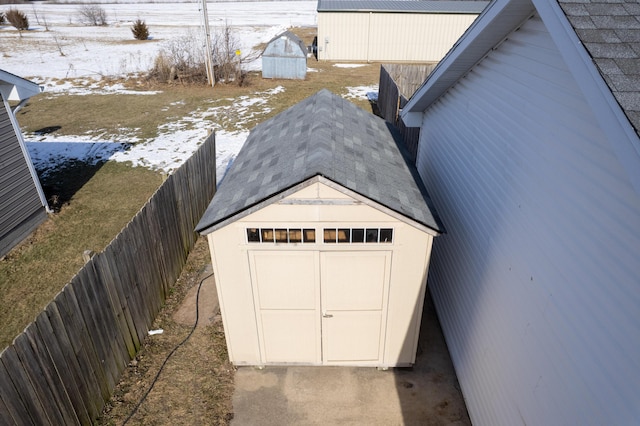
(326,315)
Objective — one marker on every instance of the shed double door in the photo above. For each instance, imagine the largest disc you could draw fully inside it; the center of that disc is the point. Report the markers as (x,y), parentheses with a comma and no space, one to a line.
(321,307)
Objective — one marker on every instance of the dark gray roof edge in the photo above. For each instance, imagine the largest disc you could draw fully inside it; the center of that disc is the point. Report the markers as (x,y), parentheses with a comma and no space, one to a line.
(207,228)
(417,6)
(420,184)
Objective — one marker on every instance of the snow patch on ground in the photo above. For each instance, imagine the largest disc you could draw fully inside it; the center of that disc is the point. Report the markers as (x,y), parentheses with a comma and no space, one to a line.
(71,59)
(348,65)
(363,92)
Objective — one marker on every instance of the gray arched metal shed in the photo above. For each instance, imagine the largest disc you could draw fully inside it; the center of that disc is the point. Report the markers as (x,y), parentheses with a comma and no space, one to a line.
(285,57)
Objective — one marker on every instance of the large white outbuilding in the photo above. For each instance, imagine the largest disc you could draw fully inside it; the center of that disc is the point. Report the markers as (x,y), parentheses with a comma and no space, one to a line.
(320,238)
(392,31)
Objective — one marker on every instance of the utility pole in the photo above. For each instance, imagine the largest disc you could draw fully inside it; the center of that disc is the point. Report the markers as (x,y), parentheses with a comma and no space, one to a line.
(207,37)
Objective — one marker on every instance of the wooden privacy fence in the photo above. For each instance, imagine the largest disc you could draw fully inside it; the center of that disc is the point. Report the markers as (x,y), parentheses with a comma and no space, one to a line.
(398,82)
(65,365)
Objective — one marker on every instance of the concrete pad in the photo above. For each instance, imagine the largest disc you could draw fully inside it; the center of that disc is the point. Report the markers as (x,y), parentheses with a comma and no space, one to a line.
(426,394)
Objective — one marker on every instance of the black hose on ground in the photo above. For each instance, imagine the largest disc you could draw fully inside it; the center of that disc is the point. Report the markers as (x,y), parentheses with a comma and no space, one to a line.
(155,379)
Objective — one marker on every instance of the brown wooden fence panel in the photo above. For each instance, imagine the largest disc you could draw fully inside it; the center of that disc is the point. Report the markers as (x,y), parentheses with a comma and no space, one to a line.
(398,82)
(91,313)
(91,381)
(5,415)
(12,399)
(170,225)
(182,211)
(121,310)
(22,387)
(33,371)
(388,96)
(36,351)
(72,379)
(65,365)
(125,280)
(74,318)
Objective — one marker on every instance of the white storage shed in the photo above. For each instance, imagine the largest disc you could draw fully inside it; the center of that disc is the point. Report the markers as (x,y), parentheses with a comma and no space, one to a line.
(320,238)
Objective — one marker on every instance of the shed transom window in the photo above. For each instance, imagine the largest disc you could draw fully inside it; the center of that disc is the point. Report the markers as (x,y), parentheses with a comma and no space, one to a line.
(358,235)
(281,235)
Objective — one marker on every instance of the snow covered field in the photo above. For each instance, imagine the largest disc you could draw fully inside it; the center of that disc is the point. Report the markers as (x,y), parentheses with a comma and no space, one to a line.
(58,45)
(65,56)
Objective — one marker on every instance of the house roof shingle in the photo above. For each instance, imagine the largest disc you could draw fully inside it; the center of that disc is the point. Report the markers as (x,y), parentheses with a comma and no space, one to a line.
(323,135)
(610,32)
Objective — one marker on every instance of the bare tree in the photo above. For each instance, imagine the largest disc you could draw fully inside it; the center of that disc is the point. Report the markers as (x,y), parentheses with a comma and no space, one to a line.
(45,22)
(58,45)
(180,59)
(227,57)
(93,14)
(37,16)
(183,59)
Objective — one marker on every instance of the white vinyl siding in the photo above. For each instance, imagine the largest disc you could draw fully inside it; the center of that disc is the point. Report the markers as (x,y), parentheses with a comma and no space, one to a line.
(396,37)
(343,36)
(402,37)
(537,281)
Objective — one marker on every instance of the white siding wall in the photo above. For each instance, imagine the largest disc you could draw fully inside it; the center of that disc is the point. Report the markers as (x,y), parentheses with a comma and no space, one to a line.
(406,37)
(343,36)
(396,37)
(537,283)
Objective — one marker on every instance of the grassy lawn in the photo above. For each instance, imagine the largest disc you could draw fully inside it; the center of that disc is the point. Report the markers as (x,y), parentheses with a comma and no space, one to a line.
(139,116)
(34,272)
(94,203)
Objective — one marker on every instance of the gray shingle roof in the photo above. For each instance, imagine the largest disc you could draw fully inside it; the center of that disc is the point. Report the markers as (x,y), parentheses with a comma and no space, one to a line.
(403,6)
(610,31)
(328,136)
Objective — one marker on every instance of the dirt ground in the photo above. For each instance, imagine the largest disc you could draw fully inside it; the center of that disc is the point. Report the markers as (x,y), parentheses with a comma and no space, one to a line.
(196,383)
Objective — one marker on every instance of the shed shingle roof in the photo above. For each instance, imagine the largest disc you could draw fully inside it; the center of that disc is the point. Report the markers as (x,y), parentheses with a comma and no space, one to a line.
(610,31)
(323,135)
